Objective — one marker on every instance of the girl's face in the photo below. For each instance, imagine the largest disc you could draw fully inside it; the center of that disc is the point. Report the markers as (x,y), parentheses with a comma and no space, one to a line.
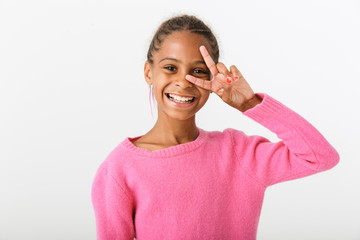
(178,55)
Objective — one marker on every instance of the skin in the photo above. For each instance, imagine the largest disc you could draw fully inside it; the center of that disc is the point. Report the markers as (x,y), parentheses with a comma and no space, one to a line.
(183,66)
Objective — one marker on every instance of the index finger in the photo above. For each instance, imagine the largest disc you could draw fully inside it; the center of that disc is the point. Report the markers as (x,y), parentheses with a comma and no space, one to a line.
(208,60)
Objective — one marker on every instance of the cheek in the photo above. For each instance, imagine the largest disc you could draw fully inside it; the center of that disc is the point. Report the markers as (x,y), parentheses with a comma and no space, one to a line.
(203,92)
(159,89)
(204,95)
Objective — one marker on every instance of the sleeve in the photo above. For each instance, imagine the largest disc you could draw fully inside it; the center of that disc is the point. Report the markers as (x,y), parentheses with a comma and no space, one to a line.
(113,208)
(302,150)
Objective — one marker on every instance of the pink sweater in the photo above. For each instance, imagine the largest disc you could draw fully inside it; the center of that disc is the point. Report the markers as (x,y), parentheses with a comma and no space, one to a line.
(210,188)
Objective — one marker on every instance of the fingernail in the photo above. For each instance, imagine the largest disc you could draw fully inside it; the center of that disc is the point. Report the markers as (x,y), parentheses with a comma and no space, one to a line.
(228,79)
(236,78)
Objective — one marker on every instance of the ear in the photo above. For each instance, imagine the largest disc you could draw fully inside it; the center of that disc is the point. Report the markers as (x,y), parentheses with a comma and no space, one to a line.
(147,73)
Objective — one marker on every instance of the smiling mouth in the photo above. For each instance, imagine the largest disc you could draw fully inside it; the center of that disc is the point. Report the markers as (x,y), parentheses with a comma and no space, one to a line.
(179,99)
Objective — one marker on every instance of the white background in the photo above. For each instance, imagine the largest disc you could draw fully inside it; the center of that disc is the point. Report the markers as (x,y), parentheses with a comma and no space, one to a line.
(72,88)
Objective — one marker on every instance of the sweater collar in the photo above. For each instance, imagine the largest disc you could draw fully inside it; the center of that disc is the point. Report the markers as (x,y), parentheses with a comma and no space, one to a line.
(165,152)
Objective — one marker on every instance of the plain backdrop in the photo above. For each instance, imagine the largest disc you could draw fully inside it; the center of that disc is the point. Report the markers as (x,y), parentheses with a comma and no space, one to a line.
(72,88)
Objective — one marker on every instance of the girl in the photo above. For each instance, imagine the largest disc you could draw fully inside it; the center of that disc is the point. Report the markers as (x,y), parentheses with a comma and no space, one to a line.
(179,181)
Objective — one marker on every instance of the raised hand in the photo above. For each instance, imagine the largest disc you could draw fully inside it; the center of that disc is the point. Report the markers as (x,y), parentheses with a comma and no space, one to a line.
(230,86)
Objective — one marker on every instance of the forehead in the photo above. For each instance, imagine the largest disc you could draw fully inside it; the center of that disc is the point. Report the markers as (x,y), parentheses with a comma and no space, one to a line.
(182,45)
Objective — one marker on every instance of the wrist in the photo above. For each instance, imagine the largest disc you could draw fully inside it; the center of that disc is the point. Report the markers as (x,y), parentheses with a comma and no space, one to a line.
(252,102)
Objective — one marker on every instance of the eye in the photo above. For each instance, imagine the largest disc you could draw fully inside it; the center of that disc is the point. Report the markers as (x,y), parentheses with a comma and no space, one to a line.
(170,68)
(199,71)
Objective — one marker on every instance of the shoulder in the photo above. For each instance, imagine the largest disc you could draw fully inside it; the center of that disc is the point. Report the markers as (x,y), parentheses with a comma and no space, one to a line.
(227,136)
(236,140)
(226,133)
(116,161)
(115,170)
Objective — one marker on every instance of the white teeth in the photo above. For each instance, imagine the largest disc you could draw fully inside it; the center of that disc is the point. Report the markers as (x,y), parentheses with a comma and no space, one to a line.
(178,98)
(181,99)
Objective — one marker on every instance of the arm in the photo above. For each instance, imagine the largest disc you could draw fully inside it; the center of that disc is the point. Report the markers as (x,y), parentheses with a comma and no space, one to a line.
(113,208)
(303,150)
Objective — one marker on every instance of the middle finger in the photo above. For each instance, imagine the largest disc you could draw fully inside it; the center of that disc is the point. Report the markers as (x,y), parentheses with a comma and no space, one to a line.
(223,70)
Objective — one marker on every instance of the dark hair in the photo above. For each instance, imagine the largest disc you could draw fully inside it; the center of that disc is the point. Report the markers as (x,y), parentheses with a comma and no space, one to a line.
(183,23)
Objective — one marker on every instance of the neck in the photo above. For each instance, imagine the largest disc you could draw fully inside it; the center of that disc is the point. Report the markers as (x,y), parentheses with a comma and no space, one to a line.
(174,131)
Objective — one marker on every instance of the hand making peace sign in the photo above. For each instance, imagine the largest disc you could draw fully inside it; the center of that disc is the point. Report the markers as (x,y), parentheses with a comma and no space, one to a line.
(230,86)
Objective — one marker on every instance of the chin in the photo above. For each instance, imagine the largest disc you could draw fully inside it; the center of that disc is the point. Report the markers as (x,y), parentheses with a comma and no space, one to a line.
(181,117)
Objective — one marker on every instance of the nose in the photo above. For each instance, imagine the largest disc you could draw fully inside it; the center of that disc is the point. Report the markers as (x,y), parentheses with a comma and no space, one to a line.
(182,82)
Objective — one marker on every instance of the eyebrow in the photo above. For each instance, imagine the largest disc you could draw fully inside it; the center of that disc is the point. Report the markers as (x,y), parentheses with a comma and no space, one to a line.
(176,60)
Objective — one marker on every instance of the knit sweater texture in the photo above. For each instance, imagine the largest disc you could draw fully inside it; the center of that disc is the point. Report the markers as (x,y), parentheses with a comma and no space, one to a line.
(210,188)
